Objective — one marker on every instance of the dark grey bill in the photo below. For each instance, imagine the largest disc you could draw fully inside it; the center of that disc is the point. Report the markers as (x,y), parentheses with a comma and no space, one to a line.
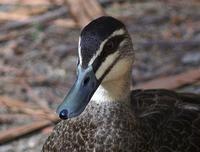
(79,95)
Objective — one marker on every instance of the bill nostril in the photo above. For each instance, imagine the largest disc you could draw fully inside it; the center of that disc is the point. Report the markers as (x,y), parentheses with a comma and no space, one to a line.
(86,80)
(63,114)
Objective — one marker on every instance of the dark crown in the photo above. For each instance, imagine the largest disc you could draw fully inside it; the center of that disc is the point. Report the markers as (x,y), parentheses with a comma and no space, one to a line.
(95,32)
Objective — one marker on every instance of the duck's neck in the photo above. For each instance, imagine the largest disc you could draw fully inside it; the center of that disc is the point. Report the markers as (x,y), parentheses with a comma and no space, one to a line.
(117,90)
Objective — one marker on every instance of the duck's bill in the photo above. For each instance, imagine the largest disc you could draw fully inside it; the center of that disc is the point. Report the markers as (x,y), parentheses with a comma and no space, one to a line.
(79,95)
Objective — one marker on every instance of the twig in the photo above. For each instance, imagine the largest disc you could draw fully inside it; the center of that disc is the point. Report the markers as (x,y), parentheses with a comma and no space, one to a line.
(10,118)
(9,102)
(21,106)
(172,82)
(35,20)
(17,132)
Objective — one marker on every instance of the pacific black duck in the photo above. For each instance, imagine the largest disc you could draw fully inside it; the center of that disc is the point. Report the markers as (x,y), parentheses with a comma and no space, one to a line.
(103,114)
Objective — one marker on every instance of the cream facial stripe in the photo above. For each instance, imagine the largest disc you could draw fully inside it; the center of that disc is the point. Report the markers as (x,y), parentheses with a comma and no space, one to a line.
(79,51)
(106,64)
(98,52)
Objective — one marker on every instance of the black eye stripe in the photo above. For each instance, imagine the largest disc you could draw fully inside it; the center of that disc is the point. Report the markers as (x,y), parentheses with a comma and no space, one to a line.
(109,68)
(107,51)
(116,41)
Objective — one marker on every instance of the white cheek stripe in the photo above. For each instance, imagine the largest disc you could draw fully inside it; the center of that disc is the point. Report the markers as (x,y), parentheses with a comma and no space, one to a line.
(79,51)
(106,64)
(98,52)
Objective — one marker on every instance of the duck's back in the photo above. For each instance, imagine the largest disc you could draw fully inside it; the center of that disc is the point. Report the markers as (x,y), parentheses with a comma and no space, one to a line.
(168,121)
(157,121)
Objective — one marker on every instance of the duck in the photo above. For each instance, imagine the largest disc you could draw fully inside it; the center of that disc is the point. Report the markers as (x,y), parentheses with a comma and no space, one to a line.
(102,114)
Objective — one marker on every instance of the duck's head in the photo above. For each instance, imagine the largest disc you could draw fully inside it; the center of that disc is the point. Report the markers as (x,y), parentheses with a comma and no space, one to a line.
(105,57)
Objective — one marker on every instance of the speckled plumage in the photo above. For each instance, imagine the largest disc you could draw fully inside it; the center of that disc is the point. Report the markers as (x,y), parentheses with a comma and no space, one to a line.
(155,121)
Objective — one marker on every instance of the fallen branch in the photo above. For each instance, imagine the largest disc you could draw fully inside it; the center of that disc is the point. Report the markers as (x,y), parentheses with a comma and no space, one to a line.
(172,82)
(17,132)
(35,20)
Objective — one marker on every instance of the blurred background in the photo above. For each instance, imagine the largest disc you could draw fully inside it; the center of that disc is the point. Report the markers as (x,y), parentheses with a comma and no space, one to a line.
(38,53)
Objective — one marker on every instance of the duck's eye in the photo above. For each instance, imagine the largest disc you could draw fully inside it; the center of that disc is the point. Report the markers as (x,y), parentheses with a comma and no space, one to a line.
(86,80)
(109,45)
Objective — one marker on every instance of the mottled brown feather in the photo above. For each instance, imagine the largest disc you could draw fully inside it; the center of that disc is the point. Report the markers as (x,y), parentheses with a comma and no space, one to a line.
(156,121)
